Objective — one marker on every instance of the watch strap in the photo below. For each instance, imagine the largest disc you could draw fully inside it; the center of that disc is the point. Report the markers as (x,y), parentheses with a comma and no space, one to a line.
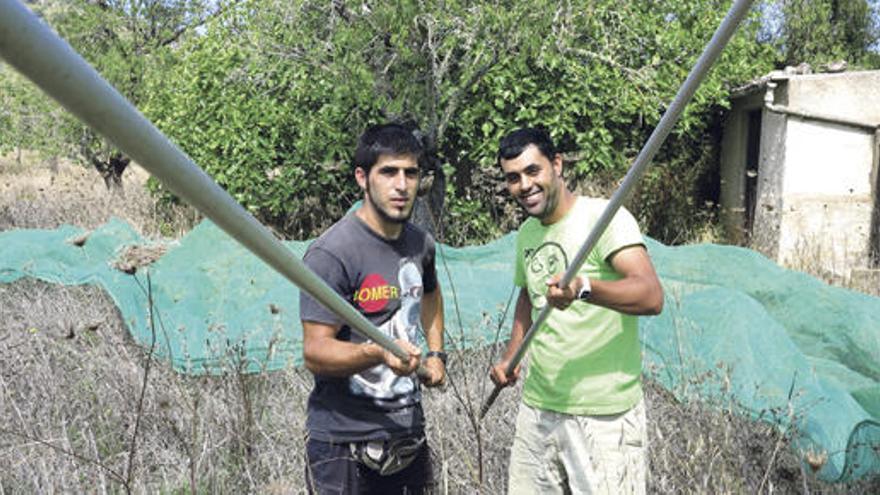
(438,354)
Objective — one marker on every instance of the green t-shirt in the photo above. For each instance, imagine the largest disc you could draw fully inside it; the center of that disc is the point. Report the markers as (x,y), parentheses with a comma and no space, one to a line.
(585,359)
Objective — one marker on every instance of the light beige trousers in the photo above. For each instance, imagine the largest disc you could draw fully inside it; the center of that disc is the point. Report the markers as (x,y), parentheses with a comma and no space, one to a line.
(561,453)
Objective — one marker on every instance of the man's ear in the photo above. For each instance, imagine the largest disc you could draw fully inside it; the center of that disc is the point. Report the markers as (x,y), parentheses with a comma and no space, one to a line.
(557,164)
(360,175)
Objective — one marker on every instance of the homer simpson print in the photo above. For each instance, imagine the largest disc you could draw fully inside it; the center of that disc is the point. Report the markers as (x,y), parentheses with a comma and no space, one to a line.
(379,381)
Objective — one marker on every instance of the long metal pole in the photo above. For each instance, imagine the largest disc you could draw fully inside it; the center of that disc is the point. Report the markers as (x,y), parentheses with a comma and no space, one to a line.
(34,50)
(719,40)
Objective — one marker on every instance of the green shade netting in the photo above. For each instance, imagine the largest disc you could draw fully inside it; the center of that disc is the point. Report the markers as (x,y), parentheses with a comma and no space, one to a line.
(786,347)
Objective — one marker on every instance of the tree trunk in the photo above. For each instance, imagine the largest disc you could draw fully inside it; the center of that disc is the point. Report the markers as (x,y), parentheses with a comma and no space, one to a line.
(111,169)
(428,208)
(110,165)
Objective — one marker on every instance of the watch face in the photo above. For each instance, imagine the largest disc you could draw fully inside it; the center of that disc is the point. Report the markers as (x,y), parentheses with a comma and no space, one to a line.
(585,288)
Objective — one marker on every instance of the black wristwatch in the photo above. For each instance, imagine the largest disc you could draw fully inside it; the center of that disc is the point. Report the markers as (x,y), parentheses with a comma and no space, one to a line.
(439,354)
(584,293)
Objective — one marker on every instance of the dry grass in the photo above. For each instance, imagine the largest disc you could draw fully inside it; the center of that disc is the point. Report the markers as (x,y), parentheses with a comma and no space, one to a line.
(84,409)
(812,257)
(71,381)
(45,194)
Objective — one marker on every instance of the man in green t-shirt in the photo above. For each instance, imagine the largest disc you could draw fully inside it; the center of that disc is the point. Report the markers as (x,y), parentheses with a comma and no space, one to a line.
(581,425)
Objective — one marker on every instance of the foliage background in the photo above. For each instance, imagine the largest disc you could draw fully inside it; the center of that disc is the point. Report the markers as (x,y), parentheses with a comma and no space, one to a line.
(269,96)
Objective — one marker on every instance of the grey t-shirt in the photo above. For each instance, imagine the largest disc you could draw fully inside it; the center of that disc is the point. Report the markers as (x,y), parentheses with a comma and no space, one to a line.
(384,280)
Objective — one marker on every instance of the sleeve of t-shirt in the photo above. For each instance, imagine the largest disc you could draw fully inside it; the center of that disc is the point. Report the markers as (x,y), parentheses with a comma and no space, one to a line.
(329,268)
(623,231)
(429,269)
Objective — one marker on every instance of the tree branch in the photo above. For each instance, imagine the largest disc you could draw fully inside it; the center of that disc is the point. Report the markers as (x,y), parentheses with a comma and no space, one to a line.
(223,7)
(456,97)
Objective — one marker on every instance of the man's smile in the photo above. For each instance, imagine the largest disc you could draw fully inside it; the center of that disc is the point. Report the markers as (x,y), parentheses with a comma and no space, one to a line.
(532,199)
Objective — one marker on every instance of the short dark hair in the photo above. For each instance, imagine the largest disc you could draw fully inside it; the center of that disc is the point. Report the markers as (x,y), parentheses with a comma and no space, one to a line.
(386,139)
(513,144)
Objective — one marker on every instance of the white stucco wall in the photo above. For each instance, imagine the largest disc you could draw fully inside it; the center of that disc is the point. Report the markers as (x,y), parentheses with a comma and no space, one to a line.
(771,177)
(848,95)
(826,196)
(827,158)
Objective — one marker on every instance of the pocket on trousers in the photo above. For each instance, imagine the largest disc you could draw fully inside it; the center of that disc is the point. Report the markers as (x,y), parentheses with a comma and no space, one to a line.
(634,427)
(328,467)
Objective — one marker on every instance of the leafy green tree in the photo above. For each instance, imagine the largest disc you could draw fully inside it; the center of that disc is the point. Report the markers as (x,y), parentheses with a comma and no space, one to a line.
(28,120)
(261,115)
(123,40)
(270,95)
(274,115)
(304,78)
(826,31)
(7,108)
(599,80)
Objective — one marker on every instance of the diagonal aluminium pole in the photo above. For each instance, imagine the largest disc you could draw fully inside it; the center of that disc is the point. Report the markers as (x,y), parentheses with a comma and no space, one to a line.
(43,57)
(719,40)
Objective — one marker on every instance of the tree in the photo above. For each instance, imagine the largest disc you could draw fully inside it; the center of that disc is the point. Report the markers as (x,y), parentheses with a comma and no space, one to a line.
(274,116)
(123,40)
(599,80)
(289,99)
(824,31)
(7,108)
(28,119)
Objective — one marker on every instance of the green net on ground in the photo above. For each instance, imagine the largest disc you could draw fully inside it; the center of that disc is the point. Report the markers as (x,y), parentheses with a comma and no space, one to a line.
(779,344)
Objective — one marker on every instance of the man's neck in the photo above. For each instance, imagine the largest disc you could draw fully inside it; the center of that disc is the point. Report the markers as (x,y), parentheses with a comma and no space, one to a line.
(378,224)
(565,204)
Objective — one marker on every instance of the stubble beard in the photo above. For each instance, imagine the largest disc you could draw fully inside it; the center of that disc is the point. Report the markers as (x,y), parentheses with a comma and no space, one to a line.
(383,212)
(551,201)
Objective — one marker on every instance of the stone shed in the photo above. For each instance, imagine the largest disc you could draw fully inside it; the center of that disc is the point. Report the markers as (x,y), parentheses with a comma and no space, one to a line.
(799,170)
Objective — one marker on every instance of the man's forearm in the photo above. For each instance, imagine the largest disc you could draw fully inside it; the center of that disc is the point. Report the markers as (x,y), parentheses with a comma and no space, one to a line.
(522,321)
(332,357)
(634,295)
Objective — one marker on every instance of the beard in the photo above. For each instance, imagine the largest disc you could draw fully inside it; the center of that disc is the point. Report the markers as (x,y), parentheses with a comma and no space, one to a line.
(386,214)
(403,218)
(551,201)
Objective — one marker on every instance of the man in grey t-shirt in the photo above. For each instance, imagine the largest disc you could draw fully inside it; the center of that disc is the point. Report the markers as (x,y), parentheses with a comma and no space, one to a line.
(365,420)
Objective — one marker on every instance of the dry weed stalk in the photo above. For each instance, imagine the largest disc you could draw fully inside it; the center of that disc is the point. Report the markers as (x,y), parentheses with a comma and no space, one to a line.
(814,257)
